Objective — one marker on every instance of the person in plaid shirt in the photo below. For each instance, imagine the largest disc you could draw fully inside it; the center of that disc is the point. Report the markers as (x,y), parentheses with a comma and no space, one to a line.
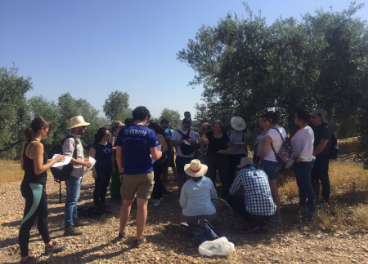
(257,207)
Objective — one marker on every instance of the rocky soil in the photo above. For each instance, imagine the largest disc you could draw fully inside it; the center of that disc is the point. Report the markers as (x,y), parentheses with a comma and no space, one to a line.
(169,242)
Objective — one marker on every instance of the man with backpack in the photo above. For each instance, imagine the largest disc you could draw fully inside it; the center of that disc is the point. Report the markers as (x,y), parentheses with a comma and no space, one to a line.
(74,181)
(184,140)
(322,142)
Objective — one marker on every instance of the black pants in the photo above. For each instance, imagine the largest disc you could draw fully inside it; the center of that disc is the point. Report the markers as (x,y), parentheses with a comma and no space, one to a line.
(234,160)
(158,168)
(320,174)
(101,183)
(237,203)
(36,207)
(220,164)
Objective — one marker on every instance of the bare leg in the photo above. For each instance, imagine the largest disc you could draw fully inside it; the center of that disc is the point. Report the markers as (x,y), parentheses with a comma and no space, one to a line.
(141,216)
(275,196)
(124,214)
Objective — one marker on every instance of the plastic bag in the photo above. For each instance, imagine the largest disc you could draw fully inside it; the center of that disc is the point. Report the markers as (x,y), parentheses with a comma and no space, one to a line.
(219,247)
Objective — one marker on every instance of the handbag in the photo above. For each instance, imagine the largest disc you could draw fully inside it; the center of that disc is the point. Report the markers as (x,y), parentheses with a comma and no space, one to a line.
(285,154)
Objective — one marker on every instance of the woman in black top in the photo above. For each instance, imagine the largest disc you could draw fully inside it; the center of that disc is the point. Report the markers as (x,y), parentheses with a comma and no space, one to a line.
(217,140)
(35,163)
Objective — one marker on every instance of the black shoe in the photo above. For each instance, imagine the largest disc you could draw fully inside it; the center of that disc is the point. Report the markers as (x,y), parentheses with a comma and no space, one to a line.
(55,248)
(140,242)
(71,231)
(123,236)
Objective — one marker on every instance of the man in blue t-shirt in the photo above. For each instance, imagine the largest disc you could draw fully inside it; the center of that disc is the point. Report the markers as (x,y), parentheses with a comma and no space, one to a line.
(135,144)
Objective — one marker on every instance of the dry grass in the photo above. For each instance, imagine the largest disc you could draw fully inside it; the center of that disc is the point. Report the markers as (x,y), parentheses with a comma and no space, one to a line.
(10,171)
(348,145)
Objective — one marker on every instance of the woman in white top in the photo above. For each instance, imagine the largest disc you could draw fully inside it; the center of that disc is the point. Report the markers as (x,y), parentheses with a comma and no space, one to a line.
(302,143)
(274,139)
(198,195)
(261,138)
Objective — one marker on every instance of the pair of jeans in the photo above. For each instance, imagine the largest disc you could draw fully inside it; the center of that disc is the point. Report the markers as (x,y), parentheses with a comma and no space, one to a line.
(115,182)
(157,187)
(101,183)
(219,163)
(238,205)
(271,168)
(303,179)
(234,160)
(73,185)
(36,207)
(320,173)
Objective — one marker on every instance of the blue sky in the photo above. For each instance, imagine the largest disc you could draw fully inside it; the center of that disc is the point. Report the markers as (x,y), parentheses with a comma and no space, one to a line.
(92,48)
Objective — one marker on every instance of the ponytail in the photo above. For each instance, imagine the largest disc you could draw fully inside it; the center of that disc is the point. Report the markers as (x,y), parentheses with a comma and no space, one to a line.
(29,133)
(37,124)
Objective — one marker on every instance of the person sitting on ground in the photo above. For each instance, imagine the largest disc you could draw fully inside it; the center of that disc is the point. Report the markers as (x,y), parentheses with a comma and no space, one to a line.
(135,144)
(35,163)
(101,151)
(257,206)
(198,195)
(158,165)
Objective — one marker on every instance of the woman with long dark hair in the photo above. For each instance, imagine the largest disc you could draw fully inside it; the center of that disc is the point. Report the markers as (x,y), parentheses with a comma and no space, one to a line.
(35,163)
(101,151)
(158,165)
(115,177)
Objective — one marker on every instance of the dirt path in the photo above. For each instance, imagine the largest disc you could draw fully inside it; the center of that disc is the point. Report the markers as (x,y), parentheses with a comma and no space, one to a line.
(168,241)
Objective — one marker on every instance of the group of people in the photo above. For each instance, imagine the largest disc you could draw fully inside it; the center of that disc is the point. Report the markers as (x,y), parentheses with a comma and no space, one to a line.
(136,158)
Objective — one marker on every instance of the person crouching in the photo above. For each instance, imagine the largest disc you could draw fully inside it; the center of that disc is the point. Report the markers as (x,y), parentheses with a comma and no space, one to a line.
(198,195)
(257,206)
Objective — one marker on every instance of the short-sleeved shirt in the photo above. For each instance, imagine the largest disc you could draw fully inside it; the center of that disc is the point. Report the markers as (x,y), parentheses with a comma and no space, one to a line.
(136,141)
(322,132)
(216,144)
(177,137)
(103,155)
(68,150)
(239,137)
(169,151)
(257,193)
(276,142)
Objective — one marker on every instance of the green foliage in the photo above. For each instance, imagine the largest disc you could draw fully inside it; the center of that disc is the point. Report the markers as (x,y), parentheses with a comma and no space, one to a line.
(172,115)
(116,106)
(14,110)
(247,67)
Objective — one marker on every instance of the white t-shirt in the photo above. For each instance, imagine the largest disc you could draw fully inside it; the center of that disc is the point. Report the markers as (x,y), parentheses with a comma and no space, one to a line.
(276,142)
(177,137)
(302,143)
(239,137)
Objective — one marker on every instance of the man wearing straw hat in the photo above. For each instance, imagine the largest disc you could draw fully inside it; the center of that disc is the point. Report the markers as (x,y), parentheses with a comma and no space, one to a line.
(74,181)
(257,206)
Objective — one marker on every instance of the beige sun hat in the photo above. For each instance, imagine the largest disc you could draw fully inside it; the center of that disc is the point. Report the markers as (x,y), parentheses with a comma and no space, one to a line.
(238,123)
(245,161)
(118,124)
(195,168)
(77,121)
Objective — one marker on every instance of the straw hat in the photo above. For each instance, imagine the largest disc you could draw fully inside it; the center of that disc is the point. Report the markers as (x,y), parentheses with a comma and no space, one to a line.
(245,161)
(195,168)
(237,123)
(118,124)
(77,121)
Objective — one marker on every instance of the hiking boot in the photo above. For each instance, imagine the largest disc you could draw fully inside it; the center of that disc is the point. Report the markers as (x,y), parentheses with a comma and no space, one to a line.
(140,242)
(123,236)
(30,260)
(78,222)
(71,231)
(55,248)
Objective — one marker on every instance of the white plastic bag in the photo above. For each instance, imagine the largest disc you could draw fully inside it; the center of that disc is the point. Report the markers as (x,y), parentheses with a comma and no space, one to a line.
(219,247)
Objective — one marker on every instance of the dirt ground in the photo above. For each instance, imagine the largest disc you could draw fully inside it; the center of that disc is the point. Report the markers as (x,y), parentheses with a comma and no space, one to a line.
(168,241)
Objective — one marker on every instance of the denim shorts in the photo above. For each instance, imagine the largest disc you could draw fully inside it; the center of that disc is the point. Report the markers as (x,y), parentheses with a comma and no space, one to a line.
(271,168)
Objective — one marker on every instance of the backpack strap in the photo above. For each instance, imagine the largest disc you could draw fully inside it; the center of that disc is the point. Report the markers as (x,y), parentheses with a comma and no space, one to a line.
(281,138)
(75,145)
(180,132)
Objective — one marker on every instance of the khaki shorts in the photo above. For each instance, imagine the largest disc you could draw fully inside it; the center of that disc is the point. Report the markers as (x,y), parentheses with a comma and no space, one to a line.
(142,184)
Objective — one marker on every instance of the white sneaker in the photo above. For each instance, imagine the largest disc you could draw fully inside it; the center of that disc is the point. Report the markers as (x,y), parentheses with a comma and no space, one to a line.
(156,202)
(161,199)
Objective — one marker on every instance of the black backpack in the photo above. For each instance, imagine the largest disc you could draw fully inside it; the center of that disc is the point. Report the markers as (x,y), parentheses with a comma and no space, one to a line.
(333,151)
(186,149)
(64,173)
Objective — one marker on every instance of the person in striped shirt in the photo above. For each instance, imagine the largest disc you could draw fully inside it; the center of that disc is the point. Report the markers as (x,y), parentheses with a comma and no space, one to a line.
(257,206)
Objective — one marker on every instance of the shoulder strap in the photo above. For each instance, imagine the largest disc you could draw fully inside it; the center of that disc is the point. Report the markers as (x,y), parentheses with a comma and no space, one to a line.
(180,132)
(188,131)
(279,134)
(75,145)
(29,149)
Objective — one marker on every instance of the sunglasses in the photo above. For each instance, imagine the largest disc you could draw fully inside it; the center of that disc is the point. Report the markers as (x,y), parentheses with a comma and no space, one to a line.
(187,126)
(164,127)
(84,127)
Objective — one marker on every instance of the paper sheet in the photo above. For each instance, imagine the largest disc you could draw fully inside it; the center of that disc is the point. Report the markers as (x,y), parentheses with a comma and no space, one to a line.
(186,142)
(93,161)
(222,151)
(61,164)
(158,149)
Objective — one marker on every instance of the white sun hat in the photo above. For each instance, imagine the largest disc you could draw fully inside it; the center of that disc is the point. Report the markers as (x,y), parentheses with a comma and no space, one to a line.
(245,161)
(77,121)
(238,123)
(195,168)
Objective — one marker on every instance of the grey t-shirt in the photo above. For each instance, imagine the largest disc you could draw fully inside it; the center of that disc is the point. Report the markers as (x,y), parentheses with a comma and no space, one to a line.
(68,149)
(239,137)
(177,137)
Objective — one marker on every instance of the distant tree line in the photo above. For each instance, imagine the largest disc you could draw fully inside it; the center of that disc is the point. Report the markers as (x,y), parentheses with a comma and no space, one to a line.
(17,112)
(247,67)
